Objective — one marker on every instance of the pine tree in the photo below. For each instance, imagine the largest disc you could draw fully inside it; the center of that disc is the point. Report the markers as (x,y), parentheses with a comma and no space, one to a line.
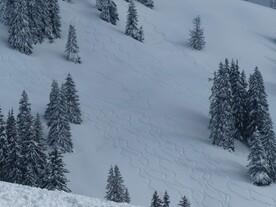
(53,99)
(197,35)
(132,21)
(109,187)
(258,168)
(59,136)
(126,196)
(259,117)
(12,169)
(56,170)
(72,100)
(114,16)
(156,201)
(20,35)
(105,12)
(118,185)
(166,200)
(3,147)
(184,202)
(140,35)
(40,148)
(238,99)
(54,15)
(72,48)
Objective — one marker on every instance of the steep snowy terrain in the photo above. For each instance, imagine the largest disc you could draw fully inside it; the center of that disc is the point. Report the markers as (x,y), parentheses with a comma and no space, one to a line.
(145,105)
(18,196)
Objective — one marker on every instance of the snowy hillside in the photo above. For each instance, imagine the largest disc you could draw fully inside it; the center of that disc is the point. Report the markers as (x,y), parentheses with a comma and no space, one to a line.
(18,196)
(145,105)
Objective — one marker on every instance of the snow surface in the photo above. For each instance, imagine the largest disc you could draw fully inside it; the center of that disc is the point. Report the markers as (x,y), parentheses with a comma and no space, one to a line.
(13,195)
(145,105)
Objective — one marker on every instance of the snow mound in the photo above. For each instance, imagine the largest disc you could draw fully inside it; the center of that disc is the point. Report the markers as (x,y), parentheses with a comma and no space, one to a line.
(13,195)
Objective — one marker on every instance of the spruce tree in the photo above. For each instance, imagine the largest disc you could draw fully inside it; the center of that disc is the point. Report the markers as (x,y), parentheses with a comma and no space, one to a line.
(20,34)
(140,34)
(126,196)
(114,16)
(184,202)
(105,12)
(53,99)
(13,165)
(72,100)
(3,147)
(166,200)
(59,136)
(148,3)
(132,21)
(156,201)
(118,185)
(109,187)
(54,15)
(7,10)
(99,4)
(258,168)
(197,35)
(72,48)
(56,170)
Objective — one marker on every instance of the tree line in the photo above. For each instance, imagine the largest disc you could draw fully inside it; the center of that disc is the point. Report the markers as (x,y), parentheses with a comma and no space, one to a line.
(26,156)
(239,110)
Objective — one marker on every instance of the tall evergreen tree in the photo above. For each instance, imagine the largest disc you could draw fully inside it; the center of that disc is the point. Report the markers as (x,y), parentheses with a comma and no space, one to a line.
(166,200)
(105,12)
(20,35)
(197,35)
(258,168)
(59,136)
(156,201)
(184,202)
(56,170)
(54,15)
(109,187)
(132,20)
(72,48)
(114,16)
(72,100)
(3,147)
(53,99)
(13,166)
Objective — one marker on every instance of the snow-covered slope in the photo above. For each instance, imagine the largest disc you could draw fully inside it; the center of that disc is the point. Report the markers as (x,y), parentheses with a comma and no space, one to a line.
(18,196)
(145,105)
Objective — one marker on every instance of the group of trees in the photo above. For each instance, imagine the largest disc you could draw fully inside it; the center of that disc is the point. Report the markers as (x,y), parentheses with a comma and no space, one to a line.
(116,190)
(30,22)
(109,13)
(156,201)
(23,151)
(62,110)
(240,113)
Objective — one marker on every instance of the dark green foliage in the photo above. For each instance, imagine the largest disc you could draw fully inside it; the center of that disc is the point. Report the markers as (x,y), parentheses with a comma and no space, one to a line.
(132,21)
(56,170)
(156,201)
(166,200)
(184,202)
(197,35)
(54,15)
(126,196)
(20,34)
(258,168)
(72,48)
(3,147)
(72,100)
(147,3)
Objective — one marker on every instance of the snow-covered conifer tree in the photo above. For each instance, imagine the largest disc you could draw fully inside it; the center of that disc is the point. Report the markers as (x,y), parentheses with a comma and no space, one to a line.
(99,4)
(59,136)
(258,168)
(3,147)
(105,12)
(20,34)
(148,3)
(13,166)
(72,48)
(109,187)
(184,202)
(53,99)
(126,196)
(197,35)
(56,170)
(156,201)
(132,21)
(72,100)
(54,15)
(166,200)
(114,16)
(140,34)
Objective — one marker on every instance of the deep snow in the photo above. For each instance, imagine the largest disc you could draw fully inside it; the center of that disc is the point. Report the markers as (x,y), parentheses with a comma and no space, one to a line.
(145,105)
